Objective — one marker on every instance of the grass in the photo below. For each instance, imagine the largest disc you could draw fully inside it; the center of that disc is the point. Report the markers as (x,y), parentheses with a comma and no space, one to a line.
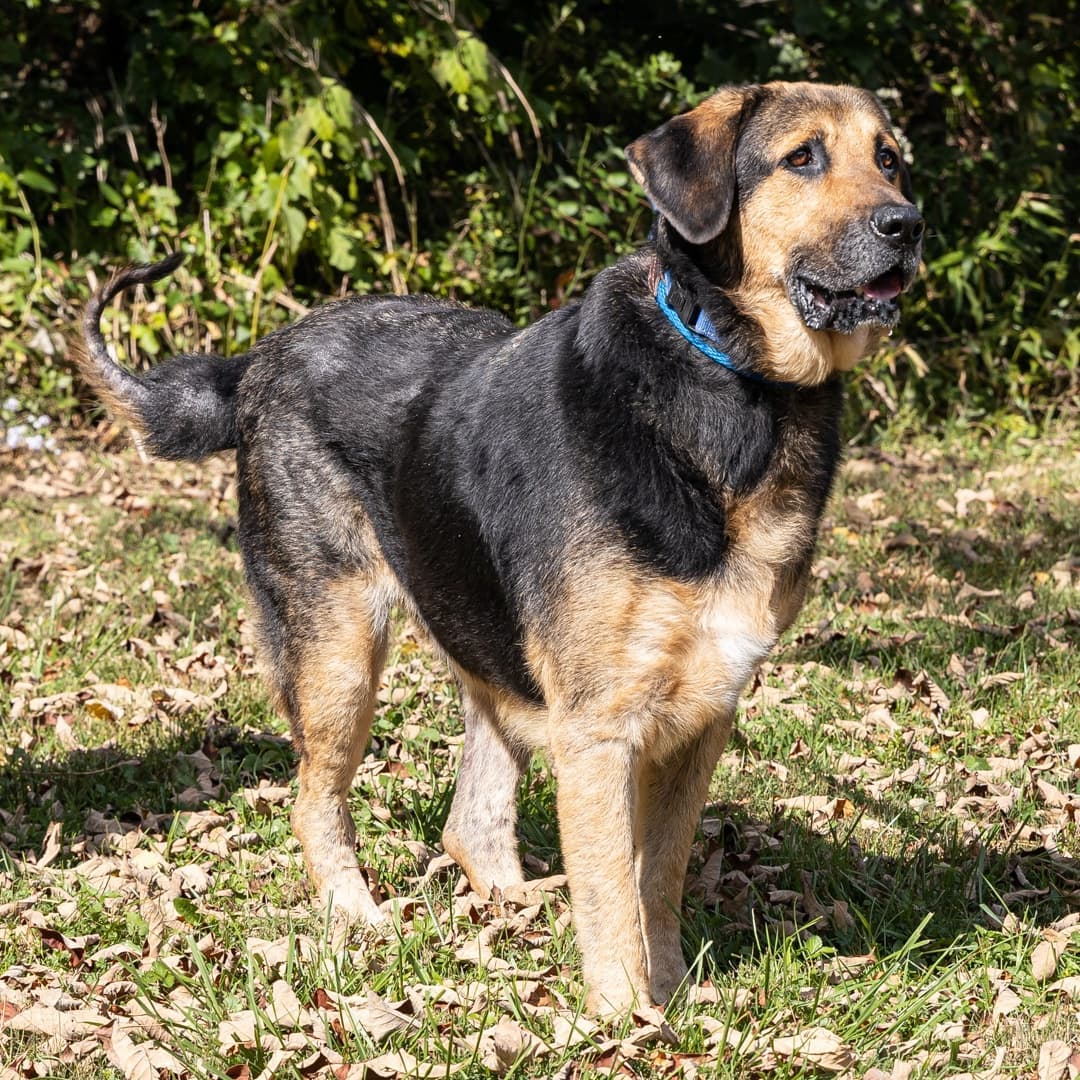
(896,918)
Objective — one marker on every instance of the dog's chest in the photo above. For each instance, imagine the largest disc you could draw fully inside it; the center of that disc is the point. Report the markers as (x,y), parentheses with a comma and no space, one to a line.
(734,620)
(739,616)
(772,536)
(663,659)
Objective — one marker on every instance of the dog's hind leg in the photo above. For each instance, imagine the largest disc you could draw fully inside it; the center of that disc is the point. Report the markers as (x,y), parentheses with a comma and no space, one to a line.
(327,685)
(479,832)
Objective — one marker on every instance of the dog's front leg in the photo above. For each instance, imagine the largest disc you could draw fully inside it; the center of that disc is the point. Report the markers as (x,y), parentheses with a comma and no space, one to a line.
(670,799)
(597,790)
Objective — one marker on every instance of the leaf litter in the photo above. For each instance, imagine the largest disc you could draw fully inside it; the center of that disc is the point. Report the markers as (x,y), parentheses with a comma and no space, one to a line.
(123,933)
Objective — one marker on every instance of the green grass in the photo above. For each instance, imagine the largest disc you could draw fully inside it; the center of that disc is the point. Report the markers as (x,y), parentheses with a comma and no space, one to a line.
(926,700)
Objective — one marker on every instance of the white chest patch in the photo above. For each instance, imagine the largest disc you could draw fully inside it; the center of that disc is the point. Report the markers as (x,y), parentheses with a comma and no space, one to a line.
(737,644)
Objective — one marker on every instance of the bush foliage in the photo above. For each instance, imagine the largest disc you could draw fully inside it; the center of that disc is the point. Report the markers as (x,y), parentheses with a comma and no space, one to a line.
(297,148)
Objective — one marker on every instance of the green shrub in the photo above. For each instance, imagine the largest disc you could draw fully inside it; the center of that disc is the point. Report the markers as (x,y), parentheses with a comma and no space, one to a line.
(299,148)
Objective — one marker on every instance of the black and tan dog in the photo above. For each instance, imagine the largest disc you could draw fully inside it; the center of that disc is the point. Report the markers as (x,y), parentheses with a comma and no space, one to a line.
(604,520)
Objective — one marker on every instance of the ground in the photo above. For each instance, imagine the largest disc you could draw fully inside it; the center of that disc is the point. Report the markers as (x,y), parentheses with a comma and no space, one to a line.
(885,883)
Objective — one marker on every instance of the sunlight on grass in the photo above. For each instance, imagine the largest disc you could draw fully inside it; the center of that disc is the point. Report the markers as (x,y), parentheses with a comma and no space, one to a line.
(885,881)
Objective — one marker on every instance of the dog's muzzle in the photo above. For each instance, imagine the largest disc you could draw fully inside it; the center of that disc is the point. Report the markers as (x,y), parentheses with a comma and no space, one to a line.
(874,261)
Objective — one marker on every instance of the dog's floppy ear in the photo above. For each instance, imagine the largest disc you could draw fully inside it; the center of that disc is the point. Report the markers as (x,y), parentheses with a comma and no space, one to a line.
(687,166)
(905,177)
(905,183)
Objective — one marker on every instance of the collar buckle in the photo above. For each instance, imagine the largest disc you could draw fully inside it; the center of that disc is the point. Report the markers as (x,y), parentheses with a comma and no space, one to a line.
(687,317)
(685,306)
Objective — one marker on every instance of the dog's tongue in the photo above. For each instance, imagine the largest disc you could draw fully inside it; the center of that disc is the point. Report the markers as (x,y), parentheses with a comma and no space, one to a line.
(887,287)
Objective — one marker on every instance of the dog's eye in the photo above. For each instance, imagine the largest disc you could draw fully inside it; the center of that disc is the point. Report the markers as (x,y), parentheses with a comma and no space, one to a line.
(887,160)
(800,158)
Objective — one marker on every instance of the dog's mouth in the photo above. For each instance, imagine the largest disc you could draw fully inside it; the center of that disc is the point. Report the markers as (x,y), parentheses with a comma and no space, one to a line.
(874,303)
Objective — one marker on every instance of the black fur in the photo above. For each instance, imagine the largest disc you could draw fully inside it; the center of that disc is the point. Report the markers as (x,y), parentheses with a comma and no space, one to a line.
(186,406)
(480,454)
(476,451)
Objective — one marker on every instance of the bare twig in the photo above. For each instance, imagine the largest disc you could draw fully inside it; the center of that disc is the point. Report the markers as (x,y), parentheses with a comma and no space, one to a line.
(159,124)
(125,127)
(384,142)
(282,299)
(264,262)
(93,106)
(389,235)
(501,68)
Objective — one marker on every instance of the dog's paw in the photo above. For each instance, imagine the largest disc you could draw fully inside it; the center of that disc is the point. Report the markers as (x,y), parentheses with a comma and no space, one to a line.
(667,979)
(349,900)
(615,1001)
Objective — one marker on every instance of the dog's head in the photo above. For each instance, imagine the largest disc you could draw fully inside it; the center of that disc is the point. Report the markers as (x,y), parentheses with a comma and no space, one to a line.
(805,188)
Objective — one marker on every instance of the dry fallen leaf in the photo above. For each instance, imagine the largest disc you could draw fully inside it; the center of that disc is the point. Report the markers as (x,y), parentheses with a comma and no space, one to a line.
(140,1061)
(370,1015)
(262,798)
(402,1063)
(1044,959)
(1069,986)
(572,1028)
(66,1024)
(276,954)
(739,999)
(841,917)
(1006,1002)
(720,1033)
(238,1031)
(51,846)
(284,1007)
(1000,678)
(507,1043)
(816,1046)
(1054,1060)
(820,805)
(844,966)
(651,1025)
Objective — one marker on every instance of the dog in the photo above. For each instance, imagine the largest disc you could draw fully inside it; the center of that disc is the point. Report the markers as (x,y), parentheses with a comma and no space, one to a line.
(604,520)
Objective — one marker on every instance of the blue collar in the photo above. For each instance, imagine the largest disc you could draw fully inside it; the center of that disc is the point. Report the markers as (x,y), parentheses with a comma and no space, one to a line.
(680,309)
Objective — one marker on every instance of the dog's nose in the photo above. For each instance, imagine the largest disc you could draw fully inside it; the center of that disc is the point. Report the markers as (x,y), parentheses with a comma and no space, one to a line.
(899,223)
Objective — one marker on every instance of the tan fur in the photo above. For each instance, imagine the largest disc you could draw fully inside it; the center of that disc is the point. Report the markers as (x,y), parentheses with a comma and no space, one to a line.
(115,406)
(715,114)
(670,796)
(643,675)
(500,731)
(335,698)
(597,814)
(768,528)
(622,636)
(785,211)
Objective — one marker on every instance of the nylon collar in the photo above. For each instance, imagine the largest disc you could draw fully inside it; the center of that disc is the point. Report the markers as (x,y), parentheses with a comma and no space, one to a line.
(685,314)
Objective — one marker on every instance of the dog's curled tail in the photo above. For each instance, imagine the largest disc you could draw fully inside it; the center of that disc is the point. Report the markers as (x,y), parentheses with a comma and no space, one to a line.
(184,408)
